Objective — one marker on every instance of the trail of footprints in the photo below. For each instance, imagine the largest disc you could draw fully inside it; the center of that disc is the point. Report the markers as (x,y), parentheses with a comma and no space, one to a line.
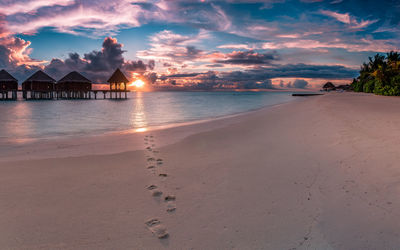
(155,166)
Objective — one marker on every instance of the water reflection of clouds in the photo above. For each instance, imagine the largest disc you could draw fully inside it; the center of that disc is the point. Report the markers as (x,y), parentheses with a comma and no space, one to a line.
(17,120)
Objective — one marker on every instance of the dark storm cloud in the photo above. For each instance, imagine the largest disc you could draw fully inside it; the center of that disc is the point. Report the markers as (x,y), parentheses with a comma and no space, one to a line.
(238,79)
(249,57)
(215,65)
(306,71)
(98,65)
(184,75)
(150,77)
(265,84)
(298,84)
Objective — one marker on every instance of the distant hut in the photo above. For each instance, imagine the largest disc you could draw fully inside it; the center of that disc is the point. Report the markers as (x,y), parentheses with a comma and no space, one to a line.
(8,84)
(39,85)
(74,85)
(118,83)
(328,86)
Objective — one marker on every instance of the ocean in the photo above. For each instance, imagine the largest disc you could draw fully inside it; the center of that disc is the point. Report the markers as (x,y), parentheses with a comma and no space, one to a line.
(20,120)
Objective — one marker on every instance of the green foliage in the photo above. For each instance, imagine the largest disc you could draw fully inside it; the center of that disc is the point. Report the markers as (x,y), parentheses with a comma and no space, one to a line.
(369,86)
(381,75)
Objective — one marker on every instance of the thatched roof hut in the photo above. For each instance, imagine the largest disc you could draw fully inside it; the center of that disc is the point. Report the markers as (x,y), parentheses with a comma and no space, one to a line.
(74,81)
(39,81)
(117,80)
(7,81)
(118,77)
(329,86)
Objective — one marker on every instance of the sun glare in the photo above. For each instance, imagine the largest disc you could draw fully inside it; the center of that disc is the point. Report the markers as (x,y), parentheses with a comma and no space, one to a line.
(138,83)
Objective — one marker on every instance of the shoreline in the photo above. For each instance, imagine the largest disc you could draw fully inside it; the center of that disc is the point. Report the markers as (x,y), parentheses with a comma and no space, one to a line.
(313,174)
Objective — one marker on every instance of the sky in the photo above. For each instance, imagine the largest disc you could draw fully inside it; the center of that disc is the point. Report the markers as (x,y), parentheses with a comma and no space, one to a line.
(198,44)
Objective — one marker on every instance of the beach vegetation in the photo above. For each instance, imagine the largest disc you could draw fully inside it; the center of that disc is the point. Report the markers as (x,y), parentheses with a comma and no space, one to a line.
(381,75)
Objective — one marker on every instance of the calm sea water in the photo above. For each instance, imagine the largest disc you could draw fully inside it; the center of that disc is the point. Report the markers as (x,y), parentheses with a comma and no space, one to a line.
(39,119)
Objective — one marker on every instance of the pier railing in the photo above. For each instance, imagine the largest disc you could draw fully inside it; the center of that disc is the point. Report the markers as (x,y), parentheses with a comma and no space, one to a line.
(58,94)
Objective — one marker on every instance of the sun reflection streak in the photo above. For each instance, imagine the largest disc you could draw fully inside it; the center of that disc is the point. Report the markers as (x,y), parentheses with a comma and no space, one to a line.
(138,120)
(141,130)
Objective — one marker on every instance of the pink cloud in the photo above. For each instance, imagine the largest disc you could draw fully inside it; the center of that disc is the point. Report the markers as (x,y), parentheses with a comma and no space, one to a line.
(361,45)
(347,19)
(101,18)
(16,51)
(344,18)
(31,6)
(172,49)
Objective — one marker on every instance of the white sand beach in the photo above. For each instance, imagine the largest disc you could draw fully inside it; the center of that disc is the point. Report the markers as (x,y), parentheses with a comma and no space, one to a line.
(318,173)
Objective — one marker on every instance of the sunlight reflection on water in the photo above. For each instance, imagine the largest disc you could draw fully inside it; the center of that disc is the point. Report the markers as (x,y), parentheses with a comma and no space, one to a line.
(138,115)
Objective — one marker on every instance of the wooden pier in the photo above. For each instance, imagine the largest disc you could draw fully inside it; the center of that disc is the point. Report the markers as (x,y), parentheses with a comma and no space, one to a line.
(58,95)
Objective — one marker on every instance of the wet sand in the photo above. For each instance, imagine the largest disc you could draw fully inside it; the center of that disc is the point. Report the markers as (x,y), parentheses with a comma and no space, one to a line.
(319,173)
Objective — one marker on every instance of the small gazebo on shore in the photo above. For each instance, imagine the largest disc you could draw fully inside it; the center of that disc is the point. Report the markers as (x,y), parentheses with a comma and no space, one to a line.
(74,86)
(118,82)
(8,84)
(328,86)
(39,85)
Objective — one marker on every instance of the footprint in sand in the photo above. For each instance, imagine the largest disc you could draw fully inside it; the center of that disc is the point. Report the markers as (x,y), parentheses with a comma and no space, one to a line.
(157,228)
(151,187)
(155,192)
(171,207)
(163,175)
(170,199)
(151,159)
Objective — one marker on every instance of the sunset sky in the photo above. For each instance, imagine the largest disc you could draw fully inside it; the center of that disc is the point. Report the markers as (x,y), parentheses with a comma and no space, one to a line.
(200,44)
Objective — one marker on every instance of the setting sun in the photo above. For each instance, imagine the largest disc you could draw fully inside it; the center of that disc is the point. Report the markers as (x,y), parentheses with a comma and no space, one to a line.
(138,83)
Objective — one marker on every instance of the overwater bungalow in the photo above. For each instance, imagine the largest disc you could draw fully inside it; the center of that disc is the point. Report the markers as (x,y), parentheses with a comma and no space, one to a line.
(74,86)
(8,84)
(118,82)
(38,86)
